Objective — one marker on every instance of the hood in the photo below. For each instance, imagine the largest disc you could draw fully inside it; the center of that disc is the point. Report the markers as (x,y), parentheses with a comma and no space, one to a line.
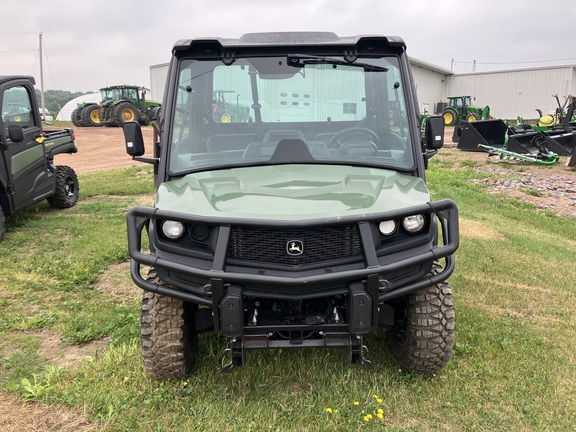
(291,192)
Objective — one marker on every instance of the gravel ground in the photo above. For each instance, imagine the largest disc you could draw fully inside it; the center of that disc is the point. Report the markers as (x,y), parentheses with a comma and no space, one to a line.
(548,188)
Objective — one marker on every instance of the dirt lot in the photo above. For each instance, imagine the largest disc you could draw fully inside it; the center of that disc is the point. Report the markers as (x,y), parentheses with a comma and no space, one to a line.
(100,149)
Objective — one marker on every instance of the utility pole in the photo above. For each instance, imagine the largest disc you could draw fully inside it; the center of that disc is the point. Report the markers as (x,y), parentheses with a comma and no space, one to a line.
(43,114)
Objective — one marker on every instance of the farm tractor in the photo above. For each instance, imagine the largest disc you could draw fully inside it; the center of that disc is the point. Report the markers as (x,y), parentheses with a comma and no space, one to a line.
(119,104)
(229,112)
(460,108)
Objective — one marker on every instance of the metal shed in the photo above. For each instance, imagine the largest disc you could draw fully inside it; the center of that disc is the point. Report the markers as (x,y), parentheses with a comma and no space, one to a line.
(518,92)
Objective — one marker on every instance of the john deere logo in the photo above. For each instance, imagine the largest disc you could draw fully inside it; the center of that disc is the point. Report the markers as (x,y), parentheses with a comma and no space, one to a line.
(295,247)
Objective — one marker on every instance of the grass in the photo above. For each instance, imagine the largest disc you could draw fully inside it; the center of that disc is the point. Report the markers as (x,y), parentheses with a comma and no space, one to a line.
(513,367)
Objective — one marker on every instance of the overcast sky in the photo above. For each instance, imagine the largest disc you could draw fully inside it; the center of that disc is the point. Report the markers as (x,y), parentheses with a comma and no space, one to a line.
(91,44)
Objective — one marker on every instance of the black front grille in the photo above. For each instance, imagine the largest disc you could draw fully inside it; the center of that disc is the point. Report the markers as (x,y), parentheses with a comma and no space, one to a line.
(281,246)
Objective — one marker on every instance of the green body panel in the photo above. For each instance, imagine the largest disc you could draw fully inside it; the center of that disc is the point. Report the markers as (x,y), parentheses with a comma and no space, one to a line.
(152,104)
(59,144)
(24,159)
(291,192)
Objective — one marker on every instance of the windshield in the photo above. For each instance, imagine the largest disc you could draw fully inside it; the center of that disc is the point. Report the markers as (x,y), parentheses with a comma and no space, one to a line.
(118,93)
(290,109)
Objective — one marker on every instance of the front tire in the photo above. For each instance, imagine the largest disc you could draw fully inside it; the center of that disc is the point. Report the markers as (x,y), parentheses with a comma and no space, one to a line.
(91,116)
(125,112)
(423,338)
(450,117)
(75,117)
(169,339)
(67,188)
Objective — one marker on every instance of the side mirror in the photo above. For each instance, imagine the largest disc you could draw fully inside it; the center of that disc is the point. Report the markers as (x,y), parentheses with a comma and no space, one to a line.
(134,139)
(434,133)
(15,133)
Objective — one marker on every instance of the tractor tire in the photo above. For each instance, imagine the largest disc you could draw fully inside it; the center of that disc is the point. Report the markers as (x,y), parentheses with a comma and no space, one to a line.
(169,339)
(450,117)
(2,225)
(423,338)
(67,188)
(91,116)
(75,117)
(472,117)
(125,112)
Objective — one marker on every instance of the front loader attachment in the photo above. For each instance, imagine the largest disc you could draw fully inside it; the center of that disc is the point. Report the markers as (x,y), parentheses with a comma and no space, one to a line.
(486,132)
(480,135)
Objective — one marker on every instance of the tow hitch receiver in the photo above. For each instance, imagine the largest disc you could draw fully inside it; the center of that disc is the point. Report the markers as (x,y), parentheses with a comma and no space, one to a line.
(237,346)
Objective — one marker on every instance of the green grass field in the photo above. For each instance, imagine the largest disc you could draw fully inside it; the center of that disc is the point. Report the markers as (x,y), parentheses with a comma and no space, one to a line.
(513,368)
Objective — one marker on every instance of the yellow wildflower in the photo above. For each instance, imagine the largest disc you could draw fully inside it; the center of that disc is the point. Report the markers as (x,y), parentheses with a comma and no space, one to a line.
(367,417)
(356,403)
(329,410)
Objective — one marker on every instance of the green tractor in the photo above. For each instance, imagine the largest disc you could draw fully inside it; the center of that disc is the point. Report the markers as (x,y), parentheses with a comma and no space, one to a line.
(229,112)
(125,103)
(119,104)
(460,108)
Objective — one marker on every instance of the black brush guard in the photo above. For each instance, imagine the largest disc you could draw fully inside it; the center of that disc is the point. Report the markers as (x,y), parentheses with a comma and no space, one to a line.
(364,288)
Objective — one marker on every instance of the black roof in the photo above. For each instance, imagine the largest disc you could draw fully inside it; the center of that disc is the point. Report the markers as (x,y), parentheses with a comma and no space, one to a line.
(4,78)
(284,39)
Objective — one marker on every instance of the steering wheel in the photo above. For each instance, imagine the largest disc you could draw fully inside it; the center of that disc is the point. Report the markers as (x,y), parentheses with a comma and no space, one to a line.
(338,142)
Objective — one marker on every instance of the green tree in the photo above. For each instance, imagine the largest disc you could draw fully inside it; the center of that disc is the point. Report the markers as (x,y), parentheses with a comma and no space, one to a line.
(54,100)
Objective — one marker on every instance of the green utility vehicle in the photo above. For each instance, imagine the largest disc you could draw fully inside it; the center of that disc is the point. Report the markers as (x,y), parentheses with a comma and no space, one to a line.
(27,171)
(119,104)
(309,226)
(461,108)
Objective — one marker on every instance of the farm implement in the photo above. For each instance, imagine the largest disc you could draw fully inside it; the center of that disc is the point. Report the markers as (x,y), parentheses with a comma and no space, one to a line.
(496,137)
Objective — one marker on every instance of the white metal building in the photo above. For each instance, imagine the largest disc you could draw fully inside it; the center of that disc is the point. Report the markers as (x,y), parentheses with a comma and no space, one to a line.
(518,92)
(509,93)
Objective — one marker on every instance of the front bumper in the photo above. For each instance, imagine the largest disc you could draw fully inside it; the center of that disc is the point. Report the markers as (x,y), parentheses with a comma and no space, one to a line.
(370,275)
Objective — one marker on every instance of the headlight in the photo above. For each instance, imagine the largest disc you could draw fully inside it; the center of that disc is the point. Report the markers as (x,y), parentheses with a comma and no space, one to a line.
(387,227)
(413,224)
(172,229)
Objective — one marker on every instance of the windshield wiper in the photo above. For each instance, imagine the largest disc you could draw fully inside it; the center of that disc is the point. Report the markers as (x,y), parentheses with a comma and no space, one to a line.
(300,60)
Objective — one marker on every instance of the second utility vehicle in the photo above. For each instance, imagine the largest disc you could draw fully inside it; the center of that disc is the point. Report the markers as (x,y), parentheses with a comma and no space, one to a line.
(27,171)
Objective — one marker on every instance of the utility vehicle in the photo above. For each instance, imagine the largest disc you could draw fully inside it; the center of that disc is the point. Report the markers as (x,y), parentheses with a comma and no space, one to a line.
(27,171)
(305,222)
